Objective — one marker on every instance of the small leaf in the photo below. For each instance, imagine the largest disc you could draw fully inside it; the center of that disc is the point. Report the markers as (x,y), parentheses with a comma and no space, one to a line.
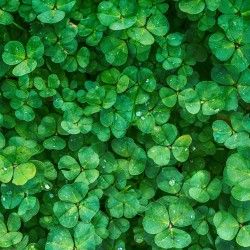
(156,218)
(159,154)
(14,53)
(180,148)
(23,173)
(226,225)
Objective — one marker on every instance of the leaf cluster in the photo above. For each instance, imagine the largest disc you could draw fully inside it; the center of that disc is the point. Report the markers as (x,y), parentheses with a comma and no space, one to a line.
(124,124)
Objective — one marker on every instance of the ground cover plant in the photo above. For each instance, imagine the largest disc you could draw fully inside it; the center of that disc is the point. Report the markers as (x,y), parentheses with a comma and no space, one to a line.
(124,124)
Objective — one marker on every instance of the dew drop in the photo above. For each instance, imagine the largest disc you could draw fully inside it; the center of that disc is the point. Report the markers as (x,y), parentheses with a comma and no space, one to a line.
(3,198)
(147,81)
(143,118)
(51,195)
(138,113)
(193,148)
(119,248)
(5,169)
(171,182)
(47,186)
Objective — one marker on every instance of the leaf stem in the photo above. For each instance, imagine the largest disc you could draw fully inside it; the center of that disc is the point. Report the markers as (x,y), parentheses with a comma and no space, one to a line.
(19,27)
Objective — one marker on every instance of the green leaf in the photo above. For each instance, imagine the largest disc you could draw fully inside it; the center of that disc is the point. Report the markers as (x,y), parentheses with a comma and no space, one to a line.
(225,74)
(160,155)
(66,213)
(115,50)
(176,82)
(51,16)
(10,239)
(69,166)
(23,173)
(88,158)
(237,169)
(73,193)
(158,24)
(180,148)
(226,225)
(59,237)
(181,214)
(123,204)
(14,222)
(25,67)
(156,218)
(164,135)
(124,146)
(244,86)
(35,48)
(221,47)
(138,161)
(243,237)
(168,96)
(221,131)
(213,4)
(141,35)
(6,171)
(189,99)
(14,53)
(117,227)
(88,208)
(54,143)
(241,58)
(207,90)
(28,208)
(173,238)
(170,180)
(82,57)
(84,236)
(5,18)
(241,191)
(192,6)
(25,113)
(107,13)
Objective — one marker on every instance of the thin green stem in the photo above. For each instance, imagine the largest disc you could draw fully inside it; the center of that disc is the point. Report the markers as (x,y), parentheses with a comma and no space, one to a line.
(19,27)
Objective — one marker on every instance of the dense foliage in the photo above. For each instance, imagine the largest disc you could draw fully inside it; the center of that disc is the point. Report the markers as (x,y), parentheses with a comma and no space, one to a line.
(124,124)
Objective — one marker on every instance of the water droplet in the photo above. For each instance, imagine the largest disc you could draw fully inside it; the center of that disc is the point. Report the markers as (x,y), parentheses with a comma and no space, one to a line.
(103,167)
(191,216)
(147,80)
(138,113)
(119,248)
(3,198)
(47,186)
(193,148)
(143,118)
(171,182)
(4,168)
(51,195)
(186,149)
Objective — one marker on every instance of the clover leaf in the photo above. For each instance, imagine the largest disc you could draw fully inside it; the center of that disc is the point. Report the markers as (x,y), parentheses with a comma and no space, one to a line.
(14,54)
